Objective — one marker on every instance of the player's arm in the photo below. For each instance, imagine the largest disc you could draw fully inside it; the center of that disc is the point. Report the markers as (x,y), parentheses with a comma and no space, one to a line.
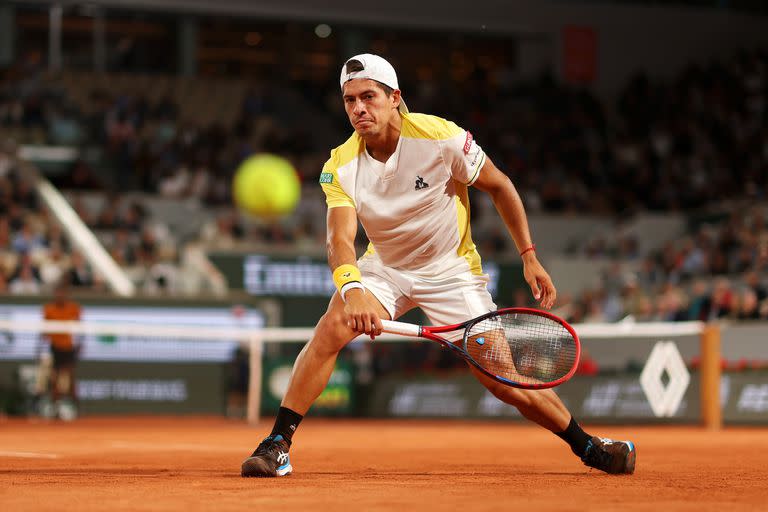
(509,205)
(360,307)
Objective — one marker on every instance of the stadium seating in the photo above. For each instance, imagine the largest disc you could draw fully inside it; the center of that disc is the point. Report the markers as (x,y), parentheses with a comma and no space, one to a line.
(618,176)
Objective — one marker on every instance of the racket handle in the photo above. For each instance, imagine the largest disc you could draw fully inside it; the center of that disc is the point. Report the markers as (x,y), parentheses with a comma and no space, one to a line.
(401,328)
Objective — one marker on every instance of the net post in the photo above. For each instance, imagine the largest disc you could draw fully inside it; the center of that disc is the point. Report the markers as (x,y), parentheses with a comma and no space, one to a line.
(254,381)
(711,410)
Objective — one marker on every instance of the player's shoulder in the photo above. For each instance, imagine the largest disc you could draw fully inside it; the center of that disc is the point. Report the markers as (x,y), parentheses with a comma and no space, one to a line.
(344,154)
(426,126)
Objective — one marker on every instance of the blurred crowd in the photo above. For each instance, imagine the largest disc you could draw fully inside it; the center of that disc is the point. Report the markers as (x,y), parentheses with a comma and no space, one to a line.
(34,253)
(718,271)
(687,144)
(742,298)
(671,145)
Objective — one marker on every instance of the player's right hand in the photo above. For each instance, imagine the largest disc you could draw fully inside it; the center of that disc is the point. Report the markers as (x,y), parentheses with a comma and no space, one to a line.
(538,279)
(361,309)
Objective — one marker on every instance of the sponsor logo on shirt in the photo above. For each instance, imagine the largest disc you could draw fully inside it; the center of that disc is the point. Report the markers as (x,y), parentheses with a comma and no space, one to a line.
(475,158)
(468,143)
(326,177)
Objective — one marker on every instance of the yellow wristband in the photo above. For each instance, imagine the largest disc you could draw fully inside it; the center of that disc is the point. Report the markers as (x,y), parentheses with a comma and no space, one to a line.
(346,274)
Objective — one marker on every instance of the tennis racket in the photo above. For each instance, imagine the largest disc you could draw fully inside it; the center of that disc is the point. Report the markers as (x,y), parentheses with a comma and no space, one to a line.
(520,347)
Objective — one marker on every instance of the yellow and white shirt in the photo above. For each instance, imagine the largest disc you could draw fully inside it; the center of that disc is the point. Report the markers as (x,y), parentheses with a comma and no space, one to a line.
(414,208)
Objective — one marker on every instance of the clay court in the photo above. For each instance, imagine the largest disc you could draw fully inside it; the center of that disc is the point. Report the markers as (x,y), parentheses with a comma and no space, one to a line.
(193,464)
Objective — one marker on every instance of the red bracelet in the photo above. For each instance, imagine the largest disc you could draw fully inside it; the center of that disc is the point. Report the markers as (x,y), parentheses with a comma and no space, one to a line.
(531,248)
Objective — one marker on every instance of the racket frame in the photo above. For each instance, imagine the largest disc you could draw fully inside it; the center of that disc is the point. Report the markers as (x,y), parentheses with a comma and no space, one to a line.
(432,333)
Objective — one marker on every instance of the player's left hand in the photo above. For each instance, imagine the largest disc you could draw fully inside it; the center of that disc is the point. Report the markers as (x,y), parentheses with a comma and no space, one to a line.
(539,281)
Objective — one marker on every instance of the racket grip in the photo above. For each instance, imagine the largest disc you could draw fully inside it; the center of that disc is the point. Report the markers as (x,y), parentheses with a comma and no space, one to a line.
(401,328)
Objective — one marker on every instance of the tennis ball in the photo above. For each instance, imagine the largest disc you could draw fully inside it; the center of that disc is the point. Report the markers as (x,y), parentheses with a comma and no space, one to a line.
(266,186)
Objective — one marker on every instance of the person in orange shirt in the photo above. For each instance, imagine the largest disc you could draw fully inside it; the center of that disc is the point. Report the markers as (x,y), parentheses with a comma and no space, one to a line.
(63,347)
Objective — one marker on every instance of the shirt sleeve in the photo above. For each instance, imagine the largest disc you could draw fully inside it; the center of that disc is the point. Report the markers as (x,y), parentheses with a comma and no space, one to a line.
(335,196)
(464,156)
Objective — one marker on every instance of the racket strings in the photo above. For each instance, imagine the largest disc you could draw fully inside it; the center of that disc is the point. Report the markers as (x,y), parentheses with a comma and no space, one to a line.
(522,347)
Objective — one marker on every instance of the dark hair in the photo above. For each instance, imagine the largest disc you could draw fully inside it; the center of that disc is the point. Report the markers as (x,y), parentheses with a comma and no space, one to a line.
(354,65)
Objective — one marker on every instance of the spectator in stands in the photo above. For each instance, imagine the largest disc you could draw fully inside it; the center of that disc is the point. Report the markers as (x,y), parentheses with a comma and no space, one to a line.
(593,306)
(644,311)
(176,183)
(650,274)
(52,265)
(80,177)
(26,280)
(26,240)
(721,299)
(134,217)
(693,259)
(79,273)
(8,256)
(752,280)
(700,303)
(672,306)
(748,305)
(225,232)
(161,278)
(147,250)
(55,235)
(6,195)
(16,216)
(109,217)
(632,297)
(123,248)
(763,310)
(24,194)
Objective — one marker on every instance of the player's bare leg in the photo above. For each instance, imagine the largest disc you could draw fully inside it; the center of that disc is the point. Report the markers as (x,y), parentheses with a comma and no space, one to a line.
(55,387)
(310,375)
(73,385)
(545,408)
(66,387)
(315,363)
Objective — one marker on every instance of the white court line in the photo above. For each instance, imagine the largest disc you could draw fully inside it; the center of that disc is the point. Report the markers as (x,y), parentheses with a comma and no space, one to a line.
(29,455)
(170,447)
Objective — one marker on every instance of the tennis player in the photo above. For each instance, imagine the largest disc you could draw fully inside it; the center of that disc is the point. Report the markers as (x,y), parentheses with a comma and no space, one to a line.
(63,347)
(405,176)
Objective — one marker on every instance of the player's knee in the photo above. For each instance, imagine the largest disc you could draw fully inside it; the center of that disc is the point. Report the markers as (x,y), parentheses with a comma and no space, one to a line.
(332,332)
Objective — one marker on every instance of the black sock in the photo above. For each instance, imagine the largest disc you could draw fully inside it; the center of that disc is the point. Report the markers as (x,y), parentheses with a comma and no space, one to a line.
(286,423)
(575,437)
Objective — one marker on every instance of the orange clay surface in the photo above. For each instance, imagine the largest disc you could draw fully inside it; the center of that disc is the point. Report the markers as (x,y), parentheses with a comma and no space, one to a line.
(194,464)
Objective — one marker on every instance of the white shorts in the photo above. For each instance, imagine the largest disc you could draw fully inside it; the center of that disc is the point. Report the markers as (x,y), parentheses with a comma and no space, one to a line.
(446,291)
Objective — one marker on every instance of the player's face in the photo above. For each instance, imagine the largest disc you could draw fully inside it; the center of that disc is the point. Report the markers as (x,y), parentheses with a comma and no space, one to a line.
(368,107)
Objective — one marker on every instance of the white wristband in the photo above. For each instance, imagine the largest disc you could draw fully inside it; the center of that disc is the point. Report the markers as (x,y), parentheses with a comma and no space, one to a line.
(350,285)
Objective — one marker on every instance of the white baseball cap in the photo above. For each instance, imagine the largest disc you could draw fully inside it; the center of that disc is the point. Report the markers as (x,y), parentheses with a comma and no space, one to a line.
(374,68)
